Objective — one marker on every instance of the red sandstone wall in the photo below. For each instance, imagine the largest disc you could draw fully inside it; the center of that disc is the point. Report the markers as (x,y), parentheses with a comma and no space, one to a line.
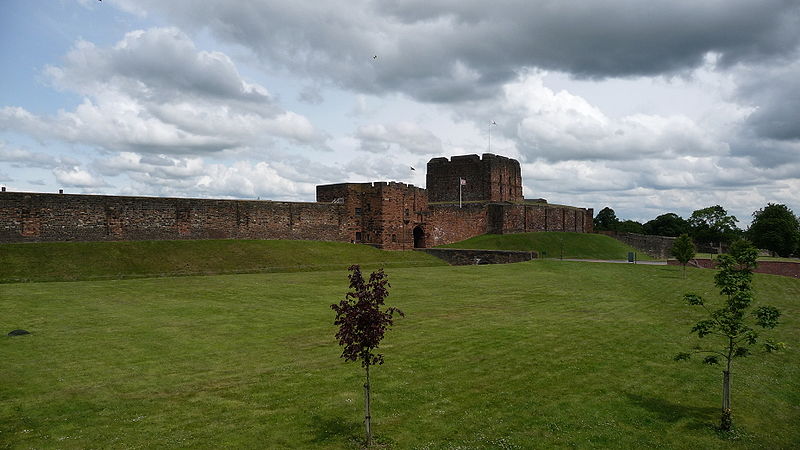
(505,178)
(490,178)
(401,209)
(536,218)
(449,223)
(29,217)
(384,213)
(516,218)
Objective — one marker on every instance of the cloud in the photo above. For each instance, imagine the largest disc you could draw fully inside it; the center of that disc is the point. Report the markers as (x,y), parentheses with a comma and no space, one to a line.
(560,126)
(285,177)
(405,136)
(445,51)
(774,92)
(25,158)
(156,64)
(76,177)
(154,92)
(311,95)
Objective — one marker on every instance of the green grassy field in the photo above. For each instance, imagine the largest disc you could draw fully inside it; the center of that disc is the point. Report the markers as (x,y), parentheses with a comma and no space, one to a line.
(551,243)
(533,355)
(63,261)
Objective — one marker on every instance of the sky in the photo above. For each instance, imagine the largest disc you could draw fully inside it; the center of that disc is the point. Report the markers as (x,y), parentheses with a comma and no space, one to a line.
(645,107)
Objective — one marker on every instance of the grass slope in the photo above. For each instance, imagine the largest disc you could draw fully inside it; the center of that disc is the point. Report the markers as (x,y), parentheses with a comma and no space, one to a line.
(541,354)
(64,261)
(549,243)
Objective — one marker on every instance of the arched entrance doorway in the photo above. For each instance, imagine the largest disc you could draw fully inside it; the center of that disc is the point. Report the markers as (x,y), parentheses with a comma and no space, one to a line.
(419,237)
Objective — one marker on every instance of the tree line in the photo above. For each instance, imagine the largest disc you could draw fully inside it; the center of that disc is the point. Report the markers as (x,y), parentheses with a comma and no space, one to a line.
(775,227)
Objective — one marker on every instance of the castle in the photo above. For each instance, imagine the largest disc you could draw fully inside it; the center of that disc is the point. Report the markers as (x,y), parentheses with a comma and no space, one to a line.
(466,196)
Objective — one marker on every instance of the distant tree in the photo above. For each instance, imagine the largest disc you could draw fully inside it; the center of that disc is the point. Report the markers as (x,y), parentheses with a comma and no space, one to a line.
(713,225)
(776,229)
(669,224)
(606,220)
(362,324)
(683,250)
(630,226)
(729,323)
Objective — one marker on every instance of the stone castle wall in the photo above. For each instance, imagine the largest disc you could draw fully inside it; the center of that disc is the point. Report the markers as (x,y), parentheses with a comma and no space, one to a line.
(520,218)
(384,214)
(32,217)
(489,178)
(448,223)
(655,246)
(391,215)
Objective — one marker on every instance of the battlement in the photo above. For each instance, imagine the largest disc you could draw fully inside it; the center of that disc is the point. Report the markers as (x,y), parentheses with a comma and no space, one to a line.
(487,178)
(327,193)
(386,214)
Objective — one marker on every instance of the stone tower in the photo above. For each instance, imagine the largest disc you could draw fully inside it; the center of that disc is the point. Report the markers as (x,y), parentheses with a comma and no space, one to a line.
(489,178)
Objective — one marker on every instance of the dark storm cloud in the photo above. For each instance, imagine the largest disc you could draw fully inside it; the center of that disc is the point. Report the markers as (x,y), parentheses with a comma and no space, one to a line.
(445,51)
(775,93)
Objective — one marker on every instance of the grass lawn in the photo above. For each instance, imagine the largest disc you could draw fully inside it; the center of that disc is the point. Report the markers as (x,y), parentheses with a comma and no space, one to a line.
(62,261)
(550,244)
(541,354)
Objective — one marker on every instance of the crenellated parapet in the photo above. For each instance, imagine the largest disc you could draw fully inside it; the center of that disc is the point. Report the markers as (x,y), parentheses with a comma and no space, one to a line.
(486,178)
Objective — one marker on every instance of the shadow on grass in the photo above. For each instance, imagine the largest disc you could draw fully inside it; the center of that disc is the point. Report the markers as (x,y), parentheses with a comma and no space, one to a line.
(335,429)
(698,417)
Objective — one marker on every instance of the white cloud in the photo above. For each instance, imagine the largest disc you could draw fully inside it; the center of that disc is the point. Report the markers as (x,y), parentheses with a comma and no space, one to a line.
(558,126)
(24,158)
(77,177)
(405,136)
(154,92)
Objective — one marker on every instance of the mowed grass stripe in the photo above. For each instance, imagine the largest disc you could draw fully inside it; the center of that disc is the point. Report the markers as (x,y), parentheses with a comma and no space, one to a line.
(66,261)
(538,354)
(554,244)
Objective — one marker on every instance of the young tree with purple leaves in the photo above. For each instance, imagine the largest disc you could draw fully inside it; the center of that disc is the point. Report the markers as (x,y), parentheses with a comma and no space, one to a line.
(362,324)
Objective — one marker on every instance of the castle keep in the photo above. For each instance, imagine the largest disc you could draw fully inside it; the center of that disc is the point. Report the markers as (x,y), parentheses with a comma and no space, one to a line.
(388,215)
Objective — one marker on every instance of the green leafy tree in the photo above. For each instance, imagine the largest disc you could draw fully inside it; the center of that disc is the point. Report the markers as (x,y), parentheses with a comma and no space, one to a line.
(776,229)
(630,226)
(669,224)
(729,325)
(683,250)
(606,220)
(713,225)
(362,323)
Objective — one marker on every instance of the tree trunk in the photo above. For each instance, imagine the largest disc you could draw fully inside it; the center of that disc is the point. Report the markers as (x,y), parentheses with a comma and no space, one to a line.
(367,418)
(726,422)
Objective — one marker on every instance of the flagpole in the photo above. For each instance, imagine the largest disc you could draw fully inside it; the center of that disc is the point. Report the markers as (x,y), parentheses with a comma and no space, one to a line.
(490,134)
(459,191)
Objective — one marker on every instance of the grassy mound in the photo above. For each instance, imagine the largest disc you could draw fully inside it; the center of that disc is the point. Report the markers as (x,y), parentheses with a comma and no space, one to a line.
(62,261)
(549,244)
(545,354)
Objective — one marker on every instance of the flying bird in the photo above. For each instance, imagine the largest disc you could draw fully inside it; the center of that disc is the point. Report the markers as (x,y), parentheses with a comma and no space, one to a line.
(374,56)
(413,168)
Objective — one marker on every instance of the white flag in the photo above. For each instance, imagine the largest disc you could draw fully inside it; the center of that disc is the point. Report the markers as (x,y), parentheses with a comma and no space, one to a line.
(463,181)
